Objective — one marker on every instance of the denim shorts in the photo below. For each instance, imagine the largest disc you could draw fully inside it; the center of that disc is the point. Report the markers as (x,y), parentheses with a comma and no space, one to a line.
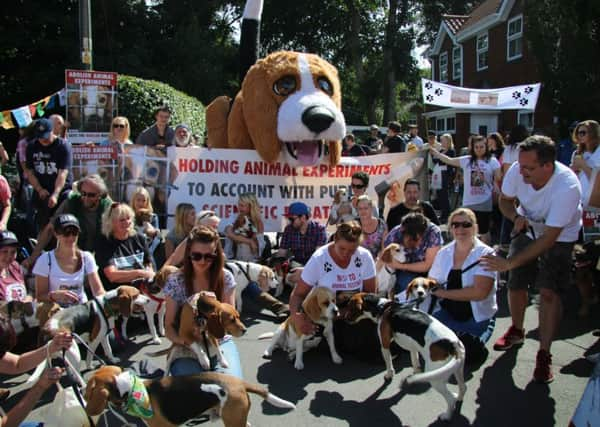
(552,269)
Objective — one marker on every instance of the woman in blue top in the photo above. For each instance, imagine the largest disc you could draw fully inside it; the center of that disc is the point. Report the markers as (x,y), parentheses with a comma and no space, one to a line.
(421,240)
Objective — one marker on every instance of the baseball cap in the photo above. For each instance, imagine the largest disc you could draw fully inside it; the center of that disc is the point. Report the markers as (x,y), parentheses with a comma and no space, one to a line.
(65,220)
(43,128)
(182,126)
(374,127)
(8,238)
(298,208)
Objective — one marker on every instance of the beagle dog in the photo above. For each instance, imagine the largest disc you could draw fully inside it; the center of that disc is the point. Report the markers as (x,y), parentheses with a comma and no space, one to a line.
(420,334)
(248,272)
(175,401)
(156,304)
(418,293)
(25,315)
(203,321)
(321,309)
(289,104)
(282,267)
(386,276)
(88,319)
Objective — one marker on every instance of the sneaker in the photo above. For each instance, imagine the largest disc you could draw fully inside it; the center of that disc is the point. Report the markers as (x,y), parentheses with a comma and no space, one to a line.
(543,367)
(512,337)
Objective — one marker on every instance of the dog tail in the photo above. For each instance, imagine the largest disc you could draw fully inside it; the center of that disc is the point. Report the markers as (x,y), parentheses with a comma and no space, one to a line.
(269,397)
(266,335)
(456,350)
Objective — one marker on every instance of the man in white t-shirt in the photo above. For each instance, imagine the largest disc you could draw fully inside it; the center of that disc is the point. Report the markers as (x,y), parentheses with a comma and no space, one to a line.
(547,221)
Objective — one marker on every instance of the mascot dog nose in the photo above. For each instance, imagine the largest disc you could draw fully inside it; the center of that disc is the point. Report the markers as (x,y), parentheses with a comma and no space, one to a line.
(317,118)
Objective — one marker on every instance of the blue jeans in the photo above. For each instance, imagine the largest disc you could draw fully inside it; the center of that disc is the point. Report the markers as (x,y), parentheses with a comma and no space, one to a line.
(189,366)
(481,330)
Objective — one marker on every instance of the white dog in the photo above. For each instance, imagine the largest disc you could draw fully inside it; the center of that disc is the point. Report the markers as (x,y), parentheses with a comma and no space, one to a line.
(386,276)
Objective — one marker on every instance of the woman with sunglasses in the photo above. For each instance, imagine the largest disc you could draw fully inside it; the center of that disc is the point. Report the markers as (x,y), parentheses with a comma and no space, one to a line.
(480,171)
(185,219)
(60,274)
(467,291)
(421,240)
(203,271)
(585,159)
(342,265)
(122,253)
(119,134)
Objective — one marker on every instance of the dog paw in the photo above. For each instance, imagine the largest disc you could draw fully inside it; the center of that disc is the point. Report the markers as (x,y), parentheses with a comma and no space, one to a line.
(224,364)
(204,362)
(336,358)
(156,340)
(417,370)
(388,376)
(114,360)
(299,365)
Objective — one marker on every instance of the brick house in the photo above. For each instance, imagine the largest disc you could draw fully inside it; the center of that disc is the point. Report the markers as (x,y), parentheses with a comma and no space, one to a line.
(485,49)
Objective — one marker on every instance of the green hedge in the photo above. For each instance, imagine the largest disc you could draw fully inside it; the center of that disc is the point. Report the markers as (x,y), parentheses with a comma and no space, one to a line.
(138,98)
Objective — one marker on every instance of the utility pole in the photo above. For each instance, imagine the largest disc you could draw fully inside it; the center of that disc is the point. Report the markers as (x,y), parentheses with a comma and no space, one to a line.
(85,33)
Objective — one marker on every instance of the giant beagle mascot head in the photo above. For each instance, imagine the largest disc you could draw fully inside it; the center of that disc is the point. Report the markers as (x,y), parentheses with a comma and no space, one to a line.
(289,102)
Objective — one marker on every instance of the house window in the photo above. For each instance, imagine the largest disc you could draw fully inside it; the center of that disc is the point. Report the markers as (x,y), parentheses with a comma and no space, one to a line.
(445,124)
(440,125)
(482,52)
(444,67)
(514,35)
(450,124)
(525,118)
(456,63)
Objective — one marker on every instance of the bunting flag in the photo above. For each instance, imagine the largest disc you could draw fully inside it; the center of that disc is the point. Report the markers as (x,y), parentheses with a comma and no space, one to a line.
(522,97)
(6,121)
(52,101)
(22,116)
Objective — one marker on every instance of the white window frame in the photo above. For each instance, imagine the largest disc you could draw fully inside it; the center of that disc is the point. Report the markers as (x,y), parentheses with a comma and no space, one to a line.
(529,126)
(456,63)
(443,66)
(480,51)
(510,38)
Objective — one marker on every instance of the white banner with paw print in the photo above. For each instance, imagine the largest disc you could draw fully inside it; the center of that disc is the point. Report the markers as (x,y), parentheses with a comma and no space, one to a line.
(522,97)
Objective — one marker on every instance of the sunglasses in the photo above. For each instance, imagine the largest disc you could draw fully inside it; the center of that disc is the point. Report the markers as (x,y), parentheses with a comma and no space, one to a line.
(358,186)
(463,224)
(119,126)
(70,231)
(581,132)
(199,256)
(90,195)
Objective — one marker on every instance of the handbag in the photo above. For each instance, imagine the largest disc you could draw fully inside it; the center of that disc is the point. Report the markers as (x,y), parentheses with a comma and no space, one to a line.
(436,178)
(65,410)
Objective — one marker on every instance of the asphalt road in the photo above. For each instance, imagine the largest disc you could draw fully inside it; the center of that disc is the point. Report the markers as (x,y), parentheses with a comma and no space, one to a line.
(499,393)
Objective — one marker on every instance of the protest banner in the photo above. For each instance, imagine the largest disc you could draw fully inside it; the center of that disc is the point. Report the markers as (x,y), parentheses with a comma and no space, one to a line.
(213,179)
(523,97)
(91,104)
(101,160)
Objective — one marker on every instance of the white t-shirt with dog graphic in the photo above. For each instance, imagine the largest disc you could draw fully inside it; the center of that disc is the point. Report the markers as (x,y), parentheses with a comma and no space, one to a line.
(321,270)
(478,182)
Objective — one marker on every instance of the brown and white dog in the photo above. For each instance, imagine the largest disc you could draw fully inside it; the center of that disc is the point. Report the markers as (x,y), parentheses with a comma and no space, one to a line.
(174,401)
(156,304)
(283,267)
(386,276)
(27,314)
(246,272)
(289,104)
(203,321)
(419,333)
(319,305)
(418,293)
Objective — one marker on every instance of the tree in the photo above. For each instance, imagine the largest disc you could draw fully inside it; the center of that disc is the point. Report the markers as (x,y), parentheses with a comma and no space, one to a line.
(565,37)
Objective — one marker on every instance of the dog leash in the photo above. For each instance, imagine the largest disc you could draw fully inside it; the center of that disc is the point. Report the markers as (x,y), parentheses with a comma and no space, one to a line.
(87,347)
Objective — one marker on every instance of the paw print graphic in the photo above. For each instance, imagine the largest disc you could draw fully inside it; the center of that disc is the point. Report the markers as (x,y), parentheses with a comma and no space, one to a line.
(528,90)
(523,102)
(438,91)
(327,267)
(357,262)
(429,98)
(516,94)
(428,85)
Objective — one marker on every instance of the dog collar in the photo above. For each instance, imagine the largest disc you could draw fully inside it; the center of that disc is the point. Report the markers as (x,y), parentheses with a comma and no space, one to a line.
(146,291)
(138,402)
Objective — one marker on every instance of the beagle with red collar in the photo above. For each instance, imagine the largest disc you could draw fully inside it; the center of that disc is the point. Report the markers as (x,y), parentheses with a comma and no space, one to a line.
(174,401)
(319,305)
(203,321)
(386,276)
(420,334)
(245,273)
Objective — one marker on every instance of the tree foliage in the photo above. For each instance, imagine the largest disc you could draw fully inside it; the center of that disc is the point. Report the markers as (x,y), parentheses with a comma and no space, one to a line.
(565,37)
